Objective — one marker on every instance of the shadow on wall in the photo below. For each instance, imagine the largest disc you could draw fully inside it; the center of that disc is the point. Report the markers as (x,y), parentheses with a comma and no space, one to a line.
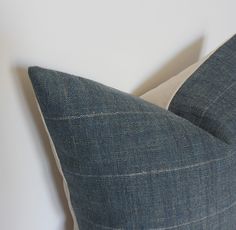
(179,62)
(28,95)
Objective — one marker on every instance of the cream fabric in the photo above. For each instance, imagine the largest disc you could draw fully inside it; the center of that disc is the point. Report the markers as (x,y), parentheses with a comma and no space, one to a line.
(163,94)
(65,186)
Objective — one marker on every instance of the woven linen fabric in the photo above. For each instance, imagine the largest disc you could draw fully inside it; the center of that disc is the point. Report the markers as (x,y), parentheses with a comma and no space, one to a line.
(131,165)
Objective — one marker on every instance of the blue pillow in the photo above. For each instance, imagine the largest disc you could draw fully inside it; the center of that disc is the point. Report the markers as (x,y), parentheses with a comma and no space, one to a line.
(131,165)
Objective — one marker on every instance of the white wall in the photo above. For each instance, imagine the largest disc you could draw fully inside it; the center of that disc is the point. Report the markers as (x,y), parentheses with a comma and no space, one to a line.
(129,44)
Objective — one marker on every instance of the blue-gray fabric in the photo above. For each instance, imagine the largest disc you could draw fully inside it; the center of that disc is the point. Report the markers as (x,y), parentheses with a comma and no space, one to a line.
(131,165)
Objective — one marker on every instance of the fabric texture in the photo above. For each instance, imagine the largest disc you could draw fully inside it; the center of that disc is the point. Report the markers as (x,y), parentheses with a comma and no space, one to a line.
(130,164)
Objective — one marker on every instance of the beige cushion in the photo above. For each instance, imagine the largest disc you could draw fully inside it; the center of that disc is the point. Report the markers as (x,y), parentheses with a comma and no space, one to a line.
(163,93)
